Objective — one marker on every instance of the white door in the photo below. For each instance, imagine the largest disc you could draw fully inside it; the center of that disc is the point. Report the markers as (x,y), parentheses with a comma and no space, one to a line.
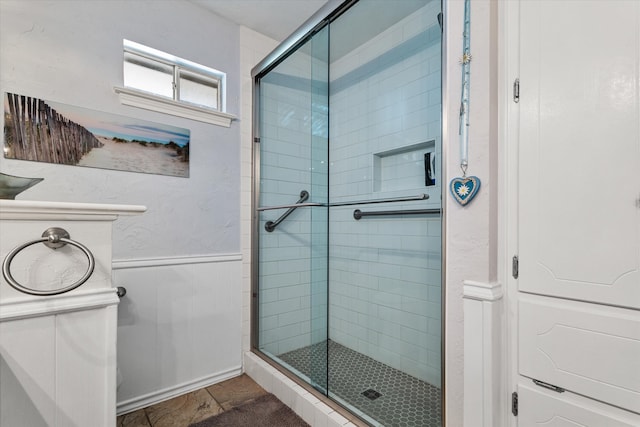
(579,207)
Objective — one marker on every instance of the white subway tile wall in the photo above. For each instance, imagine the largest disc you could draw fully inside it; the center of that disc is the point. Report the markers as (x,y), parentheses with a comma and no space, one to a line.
(293,258)
(384,272)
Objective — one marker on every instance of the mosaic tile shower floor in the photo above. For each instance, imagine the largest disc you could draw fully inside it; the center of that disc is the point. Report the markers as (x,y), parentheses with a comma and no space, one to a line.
(404,401)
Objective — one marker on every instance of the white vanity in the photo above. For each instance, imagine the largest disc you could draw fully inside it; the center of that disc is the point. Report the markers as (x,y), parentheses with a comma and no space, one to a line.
(58,350)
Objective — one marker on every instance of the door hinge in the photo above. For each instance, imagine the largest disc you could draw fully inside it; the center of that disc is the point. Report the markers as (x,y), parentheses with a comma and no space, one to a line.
(256,139)
(549,386)
(514,403)
(516,91)
(515,265)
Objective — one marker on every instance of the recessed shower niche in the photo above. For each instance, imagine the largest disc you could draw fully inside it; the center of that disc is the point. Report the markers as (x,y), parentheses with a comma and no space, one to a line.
(405,168)
(347,287)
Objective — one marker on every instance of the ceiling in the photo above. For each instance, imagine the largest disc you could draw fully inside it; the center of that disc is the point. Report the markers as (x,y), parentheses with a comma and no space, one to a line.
(274,18)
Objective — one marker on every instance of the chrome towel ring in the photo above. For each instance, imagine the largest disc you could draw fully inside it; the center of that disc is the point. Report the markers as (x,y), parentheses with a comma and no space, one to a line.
(53,238)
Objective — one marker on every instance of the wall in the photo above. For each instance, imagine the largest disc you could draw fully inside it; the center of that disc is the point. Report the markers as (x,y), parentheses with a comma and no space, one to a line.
(471,252)
(180,257)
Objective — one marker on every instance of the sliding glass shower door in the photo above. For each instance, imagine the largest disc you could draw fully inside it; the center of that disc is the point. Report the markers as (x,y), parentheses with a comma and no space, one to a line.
(348,220)
(292,247)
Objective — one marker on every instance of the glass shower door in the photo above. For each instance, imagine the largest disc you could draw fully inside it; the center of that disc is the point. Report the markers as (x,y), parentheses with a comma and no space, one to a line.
(348,250)
(292,213)
(385,221)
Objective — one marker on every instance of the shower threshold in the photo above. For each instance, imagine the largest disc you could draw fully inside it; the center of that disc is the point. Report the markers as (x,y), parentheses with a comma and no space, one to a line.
(380,392)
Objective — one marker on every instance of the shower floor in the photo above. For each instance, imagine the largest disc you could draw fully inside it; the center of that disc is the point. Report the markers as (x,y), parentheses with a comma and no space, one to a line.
(403,401)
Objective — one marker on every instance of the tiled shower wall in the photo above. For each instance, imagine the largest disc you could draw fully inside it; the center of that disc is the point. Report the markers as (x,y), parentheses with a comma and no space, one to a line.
(293,258)
(385,274)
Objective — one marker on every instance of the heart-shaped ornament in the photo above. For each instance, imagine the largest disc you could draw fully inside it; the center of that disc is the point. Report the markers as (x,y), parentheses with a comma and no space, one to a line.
(464,189)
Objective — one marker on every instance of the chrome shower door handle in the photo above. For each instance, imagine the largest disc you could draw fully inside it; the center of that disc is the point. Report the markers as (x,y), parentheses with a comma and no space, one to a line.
(271,225)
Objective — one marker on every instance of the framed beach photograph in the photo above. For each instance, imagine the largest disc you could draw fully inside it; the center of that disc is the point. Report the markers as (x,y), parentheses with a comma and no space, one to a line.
(51,132)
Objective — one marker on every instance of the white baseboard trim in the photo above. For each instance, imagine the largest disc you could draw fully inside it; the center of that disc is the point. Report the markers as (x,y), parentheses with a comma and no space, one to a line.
(166,261)
(148,399)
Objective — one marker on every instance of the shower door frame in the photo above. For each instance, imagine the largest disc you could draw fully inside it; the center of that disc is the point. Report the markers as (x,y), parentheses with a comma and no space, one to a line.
(323,17)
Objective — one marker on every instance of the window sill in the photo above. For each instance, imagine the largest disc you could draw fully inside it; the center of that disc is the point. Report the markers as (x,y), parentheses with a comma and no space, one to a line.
(136,98)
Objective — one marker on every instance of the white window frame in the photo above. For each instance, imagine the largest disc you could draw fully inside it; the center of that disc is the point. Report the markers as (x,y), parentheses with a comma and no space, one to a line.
(150,101)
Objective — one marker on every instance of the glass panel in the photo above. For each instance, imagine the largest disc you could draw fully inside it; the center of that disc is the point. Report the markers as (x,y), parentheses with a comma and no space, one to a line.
(148,75)
(384,271)
(354,306)
(319,126)
(198,89)
(292,269)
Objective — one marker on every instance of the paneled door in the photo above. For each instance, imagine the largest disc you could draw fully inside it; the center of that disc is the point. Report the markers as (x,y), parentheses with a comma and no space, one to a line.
(579,213)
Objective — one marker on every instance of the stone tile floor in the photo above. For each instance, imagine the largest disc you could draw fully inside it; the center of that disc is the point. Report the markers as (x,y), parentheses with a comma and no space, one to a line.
(196,406)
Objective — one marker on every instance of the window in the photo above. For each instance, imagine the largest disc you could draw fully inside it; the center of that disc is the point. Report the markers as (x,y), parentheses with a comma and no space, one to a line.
(163,82)
(166,75)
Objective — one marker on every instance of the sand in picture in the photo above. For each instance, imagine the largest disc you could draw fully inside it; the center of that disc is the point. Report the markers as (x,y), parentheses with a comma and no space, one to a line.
(135,157)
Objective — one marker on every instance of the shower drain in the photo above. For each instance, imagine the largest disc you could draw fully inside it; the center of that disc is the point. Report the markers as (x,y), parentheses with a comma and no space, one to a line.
(371,394)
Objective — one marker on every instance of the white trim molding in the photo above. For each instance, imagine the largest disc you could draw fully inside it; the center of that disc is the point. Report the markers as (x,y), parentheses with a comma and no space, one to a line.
(140,99)
(483,326)
(168,393)
(72,301)
(482,291)
(29,209)
(166,261)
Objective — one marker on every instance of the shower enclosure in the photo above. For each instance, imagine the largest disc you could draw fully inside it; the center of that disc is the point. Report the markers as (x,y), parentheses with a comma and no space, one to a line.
(347,242)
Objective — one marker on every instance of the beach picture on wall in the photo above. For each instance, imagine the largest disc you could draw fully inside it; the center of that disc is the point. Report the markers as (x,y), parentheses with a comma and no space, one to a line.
(45,131)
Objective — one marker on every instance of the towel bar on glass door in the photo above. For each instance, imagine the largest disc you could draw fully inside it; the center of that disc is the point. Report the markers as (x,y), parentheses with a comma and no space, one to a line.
(357,214)
(53,238)
(387,200)
(271,225)
(304,195)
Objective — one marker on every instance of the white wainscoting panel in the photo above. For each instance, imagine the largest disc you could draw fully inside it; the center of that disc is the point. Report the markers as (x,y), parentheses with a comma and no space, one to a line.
(179,326)
(483,314)
(59,369)
(27,371)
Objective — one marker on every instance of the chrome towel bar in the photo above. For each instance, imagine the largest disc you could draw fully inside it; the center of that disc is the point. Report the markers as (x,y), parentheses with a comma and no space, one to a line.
(293,205)
(357,214)
(271,225)
(53,238)
(357,202)
(304,195)
(387,200)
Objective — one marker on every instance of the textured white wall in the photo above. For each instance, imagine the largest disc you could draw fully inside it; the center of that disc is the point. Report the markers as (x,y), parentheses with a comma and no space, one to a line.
(180,260)
(71,52)
(471,231)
